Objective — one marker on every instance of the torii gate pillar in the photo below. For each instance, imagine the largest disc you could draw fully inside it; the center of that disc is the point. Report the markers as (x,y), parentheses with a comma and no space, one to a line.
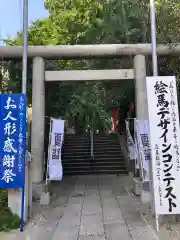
(38,126)
(141,109)
(140,87)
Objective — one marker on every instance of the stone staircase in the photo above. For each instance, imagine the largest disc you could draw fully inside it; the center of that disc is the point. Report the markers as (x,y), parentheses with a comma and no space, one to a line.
(108,157)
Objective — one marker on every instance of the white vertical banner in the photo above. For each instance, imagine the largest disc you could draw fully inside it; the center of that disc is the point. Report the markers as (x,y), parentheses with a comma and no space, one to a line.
(144,150)
(130,144)
(136,145)
(55,170)
(164,139)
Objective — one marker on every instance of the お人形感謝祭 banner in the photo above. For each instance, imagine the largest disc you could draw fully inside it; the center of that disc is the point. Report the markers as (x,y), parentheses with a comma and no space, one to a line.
(13,140)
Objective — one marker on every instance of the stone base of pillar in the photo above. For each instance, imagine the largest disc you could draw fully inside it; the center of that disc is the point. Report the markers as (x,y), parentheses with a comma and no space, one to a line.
(145,193)
(37,190)
(15,198)
(15,202)
(167,219)
(145,196)
(137,186)
(131,175)
(131,166)
(45,199)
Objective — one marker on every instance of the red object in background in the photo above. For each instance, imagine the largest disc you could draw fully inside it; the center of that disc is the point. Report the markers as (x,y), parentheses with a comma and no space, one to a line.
(132,107)
(114,113)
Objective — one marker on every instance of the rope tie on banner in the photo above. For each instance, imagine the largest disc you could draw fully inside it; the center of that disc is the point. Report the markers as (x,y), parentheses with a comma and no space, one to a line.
(29,156)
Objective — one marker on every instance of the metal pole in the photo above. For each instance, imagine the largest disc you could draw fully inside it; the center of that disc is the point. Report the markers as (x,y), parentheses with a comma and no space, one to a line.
(24,86)
(155,73)
(25,46)
(153,37)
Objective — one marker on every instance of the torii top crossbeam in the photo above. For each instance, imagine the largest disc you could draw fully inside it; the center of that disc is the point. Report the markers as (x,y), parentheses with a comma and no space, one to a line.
(87,51)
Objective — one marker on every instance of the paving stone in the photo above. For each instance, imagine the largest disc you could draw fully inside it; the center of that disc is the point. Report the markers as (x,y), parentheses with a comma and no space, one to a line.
(138,228)
(75,201)
(109,201)
(91,225)
(60,201)
(106,193)
(92,208)
(69,224)
(89,208)
(66,231)
(115,231)
(112,215)
(129,210)
(97,237)
(93,197)
(91,192)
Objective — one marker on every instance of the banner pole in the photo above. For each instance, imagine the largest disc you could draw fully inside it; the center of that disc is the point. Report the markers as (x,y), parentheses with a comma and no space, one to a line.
(24,90)
(25,46)
(153,37)
(22,210)
(49,145)
(157,223)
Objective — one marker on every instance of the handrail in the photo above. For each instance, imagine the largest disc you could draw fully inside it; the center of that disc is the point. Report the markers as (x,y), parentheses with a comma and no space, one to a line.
(92,143)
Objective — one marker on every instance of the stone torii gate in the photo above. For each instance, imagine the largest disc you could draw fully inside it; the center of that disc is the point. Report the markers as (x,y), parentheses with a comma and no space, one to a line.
(40,75)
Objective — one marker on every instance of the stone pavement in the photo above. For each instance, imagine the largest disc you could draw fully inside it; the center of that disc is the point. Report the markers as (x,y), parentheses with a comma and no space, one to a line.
(89,208)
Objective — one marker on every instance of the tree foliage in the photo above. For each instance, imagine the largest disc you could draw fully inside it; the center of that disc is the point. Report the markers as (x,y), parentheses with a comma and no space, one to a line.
(92,22)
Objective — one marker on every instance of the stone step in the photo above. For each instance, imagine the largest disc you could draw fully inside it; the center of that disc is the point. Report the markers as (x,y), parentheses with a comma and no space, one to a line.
(83,172)
(76,150)
(87,164)
(76,157)
(87,160)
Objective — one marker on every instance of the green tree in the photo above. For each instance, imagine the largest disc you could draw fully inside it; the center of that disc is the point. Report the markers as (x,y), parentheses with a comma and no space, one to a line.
(88,102)
(88,21)
(73,18)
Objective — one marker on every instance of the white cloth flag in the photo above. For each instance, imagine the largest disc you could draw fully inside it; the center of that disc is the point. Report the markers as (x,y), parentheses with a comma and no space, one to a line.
(136,143)
(130,144)
(142,127)
(55,170)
